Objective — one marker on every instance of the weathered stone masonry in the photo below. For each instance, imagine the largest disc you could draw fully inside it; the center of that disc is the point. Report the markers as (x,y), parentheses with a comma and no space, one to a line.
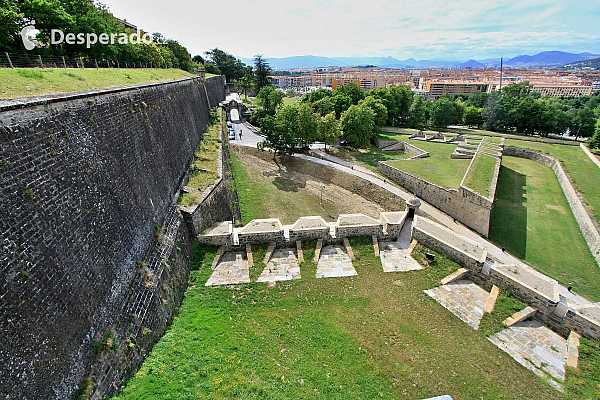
(87,187)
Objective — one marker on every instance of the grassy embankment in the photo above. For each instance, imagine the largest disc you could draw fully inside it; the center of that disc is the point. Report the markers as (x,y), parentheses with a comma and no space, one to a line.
(21,82)
(203,170)
(481,174)
(533,220)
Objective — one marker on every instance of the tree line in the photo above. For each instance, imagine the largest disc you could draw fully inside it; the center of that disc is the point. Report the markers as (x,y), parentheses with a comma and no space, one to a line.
(348,112)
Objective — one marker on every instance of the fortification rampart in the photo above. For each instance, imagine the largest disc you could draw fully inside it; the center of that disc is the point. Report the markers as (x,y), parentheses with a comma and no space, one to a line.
(87,182)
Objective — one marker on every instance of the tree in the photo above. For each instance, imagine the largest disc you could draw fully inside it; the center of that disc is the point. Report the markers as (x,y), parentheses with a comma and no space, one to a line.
(198,59)
(270,99)
(584,121)
(416,113)
(357,124)
(522,89)
(473,116)
(340,104)
(378,108)
(594,142)
(493,113)
(307,124)
(182,58)
(316,95)
(211,68)
(245,83)
(262,70)
(280,131)
(352,91)
(329,129)
(228,65)
(445,112)
(323,106)
(402,97)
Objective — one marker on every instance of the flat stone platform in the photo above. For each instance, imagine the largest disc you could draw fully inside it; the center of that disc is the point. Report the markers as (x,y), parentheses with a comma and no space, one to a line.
(334,262)
(463,298)
(231,269)
(282,266)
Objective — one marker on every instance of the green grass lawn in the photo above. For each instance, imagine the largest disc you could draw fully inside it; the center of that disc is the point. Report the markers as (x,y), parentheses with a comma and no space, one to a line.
(376,335)
(203,170)
(585,174)
(438,168)
(533,220)
(368,157)
(481,174)
(20,82)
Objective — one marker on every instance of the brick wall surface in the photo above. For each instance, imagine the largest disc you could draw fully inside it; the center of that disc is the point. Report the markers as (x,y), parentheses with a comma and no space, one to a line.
(85,180)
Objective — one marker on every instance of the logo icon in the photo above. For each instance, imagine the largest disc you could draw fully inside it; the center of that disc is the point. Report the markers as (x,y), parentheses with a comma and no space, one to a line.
(25,36)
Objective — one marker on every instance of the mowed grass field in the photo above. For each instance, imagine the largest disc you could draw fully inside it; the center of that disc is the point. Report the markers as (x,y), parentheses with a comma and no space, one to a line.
(583,171)
(25,82)
(438,168)
(533,220)
(375,335)
(481,174)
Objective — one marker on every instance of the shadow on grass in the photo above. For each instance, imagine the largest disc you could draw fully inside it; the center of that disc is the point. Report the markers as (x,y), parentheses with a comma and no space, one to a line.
(509,216)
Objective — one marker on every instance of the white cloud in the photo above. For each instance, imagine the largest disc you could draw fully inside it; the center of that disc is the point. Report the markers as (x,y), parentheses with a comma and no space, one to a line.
(428,29)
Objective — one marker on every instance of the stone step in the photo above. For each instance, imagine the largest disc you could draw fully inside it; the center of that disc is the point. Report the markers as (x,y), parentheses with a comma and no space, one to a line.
(491,300)
(318,250)
(573,350)
(269,253)
(412,246)
(348,248)
(249,255)
(299,251)
(456,275)
(218,256)
(376,246)
(519,316)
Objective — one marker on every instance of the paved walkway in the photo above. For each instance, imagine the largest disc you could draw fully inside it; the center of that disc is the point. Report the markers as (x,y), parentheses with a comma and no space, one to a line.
(590,154)
(334,262)
(463,298)
(493,251)
(535,347)
(395,256)
(231,269)
(282,266)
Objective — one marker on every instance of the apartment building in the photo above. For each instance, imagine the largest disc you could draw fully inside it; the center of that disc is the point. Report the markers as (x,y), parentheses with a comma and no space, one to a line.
(437,88)
(561,90)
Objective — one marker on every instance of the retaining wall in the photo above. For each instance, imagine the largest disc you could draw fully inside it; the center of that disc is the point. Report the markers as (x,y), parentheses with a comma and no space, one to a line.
(587,224)
(87,180)
(466,206)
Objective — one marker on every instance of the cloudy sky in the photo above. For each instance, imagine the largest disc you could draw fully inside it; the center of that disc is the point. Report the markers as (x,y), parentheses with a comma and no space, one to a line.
(422,29)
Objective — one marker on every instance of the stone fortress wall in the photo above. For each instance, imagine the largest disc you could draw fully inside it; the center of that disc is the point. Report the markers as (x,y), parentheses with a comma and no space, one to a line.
(587,224)
(94,254)
(466,205)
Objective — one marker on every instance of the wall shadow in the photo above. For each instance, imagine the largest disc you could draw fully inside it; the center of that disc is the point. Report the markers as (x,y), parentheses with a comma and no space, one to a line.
(509,217)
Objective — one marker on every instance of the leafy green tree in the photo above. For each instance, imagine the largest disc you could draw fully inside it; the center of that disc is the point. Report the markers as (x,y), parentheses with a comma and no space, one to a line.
(522,89)
(245,83)
(198,59)
(329,129)
(211,68)
(182,58)
(584,122)
(307,124)
(10,16)
(473,116)
(594,142)
(445,112)
(402,97)
(352,91)
(478,99)
(340,103)
(280,131)
(231,67)
(270,99)
(493,113)
(316,95)
(416,113)
(378,108)
(358,124)
(262,71)
(323,106)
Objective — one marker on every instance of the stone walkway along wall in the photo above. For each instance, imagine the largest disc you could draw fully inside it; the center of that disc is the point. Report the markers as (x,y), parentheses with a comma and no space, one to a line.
(87,180)
(587,224)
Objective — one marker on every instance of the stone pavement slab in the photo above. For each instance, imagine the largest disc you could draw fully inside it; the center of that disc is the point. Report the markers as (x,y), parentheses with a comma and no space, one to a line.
(535,347)
(231,269)
(334,262)
(463,298)
(396,258)
(282,266)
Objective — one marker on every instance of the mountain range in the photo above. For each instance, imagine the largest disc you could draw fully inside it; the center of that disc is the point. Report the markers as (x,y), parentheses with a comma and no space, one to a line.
(543,59)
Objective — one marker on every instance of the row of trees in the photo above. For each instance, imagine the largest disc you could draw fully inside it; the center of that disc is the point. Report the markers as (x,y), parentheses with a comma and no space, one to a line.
(83,16)
(360,115)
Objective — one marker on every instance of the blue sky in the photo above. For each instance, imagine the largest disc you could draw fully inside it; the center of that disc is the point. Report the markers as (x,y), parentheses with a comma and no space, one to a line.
(425,29)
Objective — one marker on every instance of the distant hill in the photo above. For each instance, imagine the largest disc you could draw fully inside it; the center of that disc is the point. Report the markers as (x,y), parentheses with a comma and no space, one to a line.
(548,59)
(543,59)
(593,63)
